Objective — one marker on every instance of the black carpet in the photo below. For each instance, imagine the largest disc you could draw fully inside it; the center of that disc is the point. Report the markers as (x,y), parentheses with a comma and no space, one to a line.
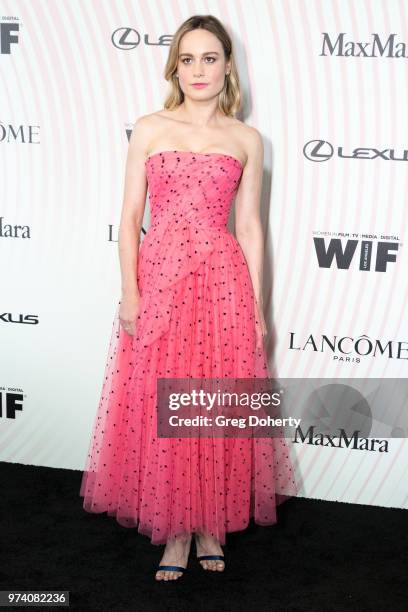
(320,556)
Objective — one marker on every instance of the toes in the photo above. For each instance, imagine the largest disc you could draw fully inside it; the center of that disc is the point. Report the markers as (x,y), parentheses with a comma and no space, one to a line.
(213,565)
(171,575)
(167,575)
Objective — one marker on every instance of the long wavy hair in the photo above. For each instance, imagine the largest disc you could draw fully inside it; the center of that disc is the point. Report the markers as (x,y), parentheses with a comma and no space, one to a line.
(229,99)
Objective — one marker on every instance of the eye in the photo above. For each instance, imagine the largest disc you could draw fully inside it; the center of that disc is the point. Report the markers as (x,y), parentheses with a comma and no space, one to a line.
(187,59)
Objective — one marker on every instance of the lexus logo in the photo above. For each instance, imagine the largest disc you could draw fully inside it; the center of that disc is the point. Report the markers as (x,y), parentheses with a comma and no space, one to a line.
(318,150)
(322,150)
(129,38)
(125,38)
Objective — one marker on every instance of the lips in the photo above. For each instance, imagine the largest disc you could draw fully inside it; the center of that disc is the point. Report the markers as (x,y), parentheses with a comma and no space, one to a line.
(199,85)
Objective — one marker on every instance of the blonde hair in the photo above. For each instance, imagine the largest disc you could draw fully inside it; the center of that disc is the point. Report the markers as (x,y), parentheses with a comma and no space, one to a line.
(229,99)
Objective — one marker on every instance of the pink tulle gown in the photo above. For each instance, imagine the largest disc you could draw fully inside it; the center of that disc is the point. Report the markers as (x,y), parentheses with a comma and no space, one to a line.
(197,319)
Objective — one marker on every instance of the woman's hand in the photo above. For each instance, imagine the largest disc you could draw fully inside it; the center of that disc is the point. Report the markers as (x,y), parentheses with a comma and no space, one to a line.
(128,311)
(261,330)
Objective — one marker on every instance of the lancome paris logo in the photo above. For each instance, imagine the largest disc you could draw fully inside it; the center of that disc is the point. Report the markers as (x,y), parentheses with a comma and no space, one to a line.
(127,39)
(322,150)
(367,252)
(376,47)
(11,402)
(348,349)
(26,134)
(9,31)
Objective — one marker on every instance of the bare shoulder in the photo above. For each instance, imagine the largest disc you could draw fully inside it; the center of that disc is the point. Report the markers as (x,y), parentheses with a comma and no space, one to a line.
(253,144)
(249,141)
(145,122)
(142,130)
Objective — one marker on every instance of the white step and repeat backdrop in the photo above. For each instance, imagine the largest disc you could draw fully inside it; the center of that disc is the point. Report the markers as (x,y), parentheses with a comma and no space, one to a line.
(325,82)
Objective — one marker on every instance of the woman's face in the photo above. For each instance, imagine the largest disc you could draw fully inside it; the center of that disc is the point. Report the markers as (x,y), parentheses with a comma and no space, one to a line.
(201,60)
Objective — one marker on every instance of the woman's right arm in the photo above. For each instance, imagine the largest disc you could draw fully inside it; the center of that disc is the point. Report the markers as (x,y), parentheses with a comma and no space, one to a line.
(131,220)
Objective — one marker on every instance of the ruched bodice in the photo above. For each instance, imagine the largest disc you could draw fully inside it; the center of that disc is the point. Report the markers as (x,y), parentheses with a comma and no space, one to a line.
(195,188)
(190,197)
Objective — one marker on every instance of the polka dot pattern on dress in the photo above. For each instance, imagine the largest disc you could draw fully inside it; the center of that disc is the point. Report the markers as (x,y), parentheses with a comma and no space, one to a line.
(197,319)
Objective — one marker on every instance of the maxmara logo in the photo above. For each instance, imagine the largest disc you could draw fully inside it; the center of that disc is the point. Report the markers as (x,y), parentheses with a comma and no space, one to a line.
(376,47)
(322,150)
(342,441)
(7,230)
(349,349)
(366,252)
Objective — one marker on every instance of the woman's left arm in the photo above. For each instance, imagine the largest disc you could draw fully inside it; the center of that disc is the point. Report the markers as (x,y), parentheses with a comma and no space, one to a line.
(248,228)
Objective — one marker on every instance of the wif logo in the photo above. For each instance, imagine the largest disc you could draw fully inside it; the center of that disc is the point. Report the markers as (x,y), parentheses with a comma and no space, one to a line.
(11,402)
(8,36)
(369,255)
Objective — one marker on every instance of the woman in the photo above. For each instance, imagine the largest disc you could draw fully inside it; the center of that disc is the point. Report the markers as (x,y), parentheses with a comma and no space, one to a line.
(191,307)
